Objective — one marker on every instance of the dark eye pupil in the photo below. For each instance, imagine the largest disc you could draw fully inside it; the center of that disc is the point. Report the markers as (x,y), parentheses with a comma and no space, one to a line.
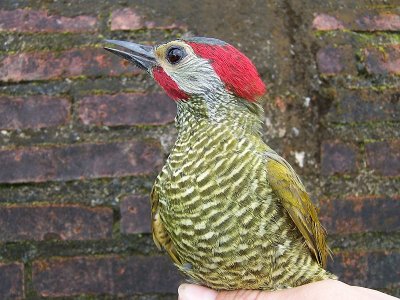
(174,55)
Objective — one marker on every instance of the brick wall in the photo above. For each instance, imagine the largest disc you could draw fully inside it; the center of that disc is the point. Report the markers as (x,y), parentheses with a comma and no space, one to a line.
(358,61)
(83,135)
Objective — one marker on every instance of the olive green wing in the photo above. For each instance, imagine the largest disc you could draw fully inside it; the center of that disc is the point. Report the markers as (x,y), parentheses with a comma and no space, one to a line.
(160,235)
(289,188)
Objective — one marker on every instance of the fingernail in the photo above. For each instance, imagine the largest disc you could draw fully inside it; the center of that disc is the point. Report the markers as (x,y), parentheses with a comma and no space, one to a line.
(183,292)
(195,292)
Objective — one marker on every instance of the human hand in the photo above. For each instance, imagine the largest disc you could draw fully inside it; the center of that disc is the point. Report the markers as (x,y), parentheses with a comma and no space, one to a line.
(326,289)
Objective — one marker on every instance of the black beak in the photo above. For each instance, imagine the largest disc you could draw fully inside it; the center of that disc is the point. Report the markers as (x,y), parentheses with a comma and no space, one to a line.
(140,55)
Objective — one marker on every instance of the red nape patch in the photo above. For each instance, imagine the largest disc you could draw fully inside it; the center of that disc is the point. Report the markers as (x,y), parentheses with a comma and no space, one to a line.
(234,68)
(169,85)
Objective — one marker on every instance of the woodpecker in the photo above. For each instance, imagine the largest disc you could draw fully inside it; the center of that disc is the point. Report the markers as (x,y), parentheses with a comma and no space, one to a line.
(230,212)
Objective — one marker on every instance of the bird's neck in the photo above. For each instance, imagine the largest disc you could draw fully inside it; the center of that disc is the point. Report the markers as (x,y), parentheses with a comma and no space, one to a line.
(241,116)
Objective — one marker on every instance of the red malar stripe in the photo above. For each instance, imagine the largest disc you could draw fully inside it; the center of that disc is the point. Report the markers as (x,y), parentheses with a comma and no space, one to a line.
(169,85)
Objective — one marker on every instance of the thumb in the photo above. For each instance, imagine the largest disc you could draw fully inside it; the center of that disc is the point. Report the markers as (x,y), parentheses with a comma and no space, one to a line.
(196,292)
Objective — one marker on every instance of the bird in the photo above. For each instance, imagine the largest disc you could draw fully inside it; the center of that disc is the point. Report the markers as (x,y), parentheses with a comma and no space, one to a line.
(229,211)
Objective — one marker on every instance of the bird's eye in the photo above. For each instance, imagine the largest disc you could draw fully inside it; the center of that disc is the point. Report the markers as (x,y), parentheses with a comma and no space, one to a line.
(175,55)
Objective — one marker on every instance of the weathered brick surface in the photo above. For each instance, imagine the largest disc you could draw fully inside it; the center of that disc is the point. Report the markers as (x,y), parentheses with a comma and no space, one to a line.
(369,21)
(135,214)
(130,19)
(146,274)
(58,277)
(126,19)
(384,157)
(33,112)
(357,65)
(55,65)
(338,158)
(360,214)
(378,269)
(365,106)
(79,161)
(11,281)
(336,60)
(127,109)
(378,22)
(113,275)
(327,22)
(29,20)
(64,222)
(383,61)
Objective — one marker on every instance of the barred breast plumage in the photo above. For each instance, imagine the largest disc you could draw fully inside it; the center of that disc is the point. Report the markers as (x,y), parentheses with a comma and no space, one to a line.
(221,221)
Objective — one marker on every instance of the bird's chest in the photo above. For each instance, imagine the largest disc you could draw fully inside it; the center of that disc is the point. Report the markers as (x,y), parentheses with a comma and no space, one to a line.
(210,192)
(209,170)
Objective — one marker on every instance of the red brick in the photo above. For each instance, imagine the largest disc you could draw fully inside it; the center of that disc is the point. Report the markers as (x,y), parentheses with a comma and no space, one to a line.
(365,106)
(11,281)
(326,22)
(63,222)
(126,19)
(384,157)
(39,164)
(64,64)
(29,20)
(33,112)
(127,109)
(112,275)
(135,215)
(369,21)
(361,214)
(336,60)
(383,61)
(337,158)
(374,21)
(57,277)
(140,274)
(375,269)
(130,19)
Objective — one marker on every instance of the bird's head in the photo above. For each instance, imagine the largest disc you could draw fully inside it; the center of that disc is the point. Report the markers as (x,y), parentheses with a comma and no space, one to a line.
(195,67)
(206,76)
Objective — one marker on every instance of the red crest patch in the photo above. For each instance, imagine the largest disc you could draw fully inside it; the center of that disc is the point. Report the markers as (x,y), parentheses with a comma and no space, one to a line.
(234,68)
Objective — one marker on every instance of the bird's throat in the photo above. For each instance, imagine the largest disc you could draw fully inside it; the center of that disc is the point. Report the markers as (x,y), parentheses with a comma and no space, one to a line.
(241,116)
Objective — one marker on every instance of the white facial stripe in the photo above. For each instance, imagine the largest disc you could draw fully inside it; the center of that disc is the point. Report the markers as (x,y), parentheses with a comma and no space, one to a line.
(189,75)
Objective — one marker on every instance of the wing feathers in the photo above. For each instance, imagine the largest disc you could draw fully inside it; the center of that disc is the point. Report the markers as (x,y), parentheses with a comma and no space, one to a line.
(160,235)
(289,188)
